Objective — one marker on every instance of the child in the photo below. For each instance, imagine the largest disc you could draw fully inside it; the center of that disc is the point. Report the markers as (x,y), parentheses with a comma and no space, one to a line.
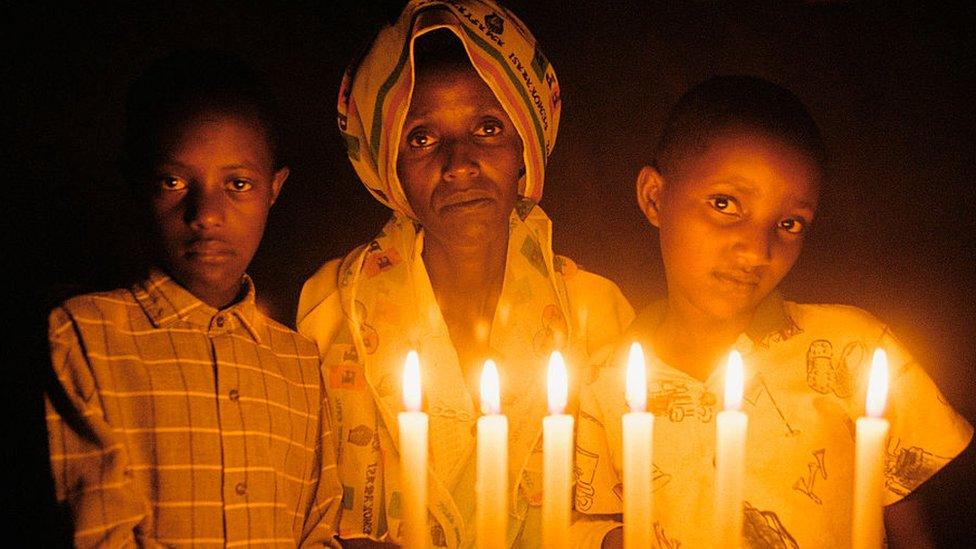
(449,120)
(183,415)
(733,192)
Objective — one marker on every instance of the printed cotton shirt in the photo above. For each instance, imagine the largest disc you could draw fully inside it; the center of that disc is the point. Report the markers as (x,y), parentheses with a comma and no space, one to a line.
(178,424)
(806,374)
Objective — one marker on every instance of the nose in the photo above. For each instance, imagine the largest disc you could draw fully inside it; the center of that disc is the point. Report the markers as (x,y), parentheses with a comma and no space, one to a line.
(205,207)
(754,247)
(460,160)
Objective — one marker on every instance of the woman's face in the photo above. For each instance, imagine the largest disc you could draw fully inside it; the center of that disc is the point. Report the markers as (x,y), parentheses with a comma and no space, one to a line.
(459,157)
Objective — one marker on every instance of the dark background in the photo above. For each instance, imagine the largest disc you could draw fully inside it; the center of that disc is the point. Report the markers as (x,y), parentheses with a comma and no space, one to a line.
(891,88)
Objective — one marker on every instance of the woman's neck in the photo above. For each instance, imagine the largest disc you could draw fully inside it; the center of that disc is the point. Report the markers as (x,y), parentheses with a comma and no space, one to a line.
(467,283)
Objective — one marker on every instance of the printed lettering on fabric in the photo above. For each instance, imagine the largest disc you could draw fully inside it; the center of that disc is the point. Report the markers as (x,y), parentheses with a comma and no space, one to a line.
(489,30)
(369,497)
(533,93)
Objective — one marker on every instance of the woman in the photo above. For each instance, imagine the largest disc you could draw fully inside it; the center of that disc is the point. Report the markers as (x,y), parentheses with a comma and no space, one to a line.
(449,119)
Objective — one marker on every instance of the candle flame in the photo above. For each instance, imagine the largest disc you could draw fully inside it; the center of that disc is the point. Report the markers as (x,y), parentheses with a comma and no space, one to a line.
(489,389)
(734,380)
(411,382)
(877,384)
(636,379)
(558,383)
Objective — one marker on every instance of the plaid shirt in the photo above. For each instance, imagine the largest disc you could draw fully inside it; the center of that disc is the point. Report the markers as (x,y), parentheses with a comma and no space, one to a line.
(178,424)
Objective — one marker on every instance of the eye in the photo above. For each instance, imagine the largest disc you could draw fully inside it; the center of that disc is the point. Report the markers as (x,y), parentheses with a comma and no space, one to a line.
(489,128)
(240,185)
(171,183)
(420,138)
(793,225)
(724,204)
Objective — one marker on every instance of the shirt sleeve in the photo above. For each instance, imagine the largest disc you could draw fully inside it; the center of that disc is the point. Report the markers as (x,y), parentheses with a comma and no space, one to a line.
(321,525)
(926,433)
(88,459)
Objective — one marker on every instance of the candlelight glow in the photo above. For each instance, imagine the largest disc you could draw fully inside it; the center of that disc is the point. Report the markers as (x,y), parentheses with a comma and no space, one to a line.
(489,389)
(636,379)
(877,384)
(411,382)
(558,383)
(734,381)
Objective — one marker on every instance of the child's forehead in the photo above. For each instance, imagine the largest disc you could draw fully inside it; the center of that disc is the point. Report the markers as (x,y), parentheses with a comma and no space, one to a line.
(750,157)
(244,126)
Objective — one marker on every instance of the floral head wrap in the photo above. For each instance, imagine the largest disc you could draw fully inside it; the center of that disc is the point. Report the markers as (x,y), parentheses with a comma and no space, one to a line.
(375,93)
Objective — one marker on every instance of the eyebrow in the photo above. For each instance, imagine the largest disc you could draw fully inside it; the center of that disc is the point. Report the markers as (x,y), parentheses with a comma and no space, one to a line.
(738,183)
(165,162)
(743,185)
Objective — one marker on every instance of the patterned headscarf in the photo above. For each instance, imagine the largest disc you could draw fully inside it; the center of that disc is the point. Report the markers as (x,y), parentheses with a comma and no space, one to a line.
(376,92)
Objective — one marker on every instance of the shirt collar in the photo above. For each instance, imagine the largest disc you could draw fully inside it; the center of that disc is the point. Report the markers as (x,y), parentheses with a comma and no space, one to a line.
(770,321)
(166,302)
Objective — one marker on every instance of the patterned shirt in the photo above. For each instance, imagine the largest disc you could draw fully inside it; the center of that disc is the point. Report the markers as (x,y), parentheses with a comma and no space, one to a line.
(806,372)
(178,424)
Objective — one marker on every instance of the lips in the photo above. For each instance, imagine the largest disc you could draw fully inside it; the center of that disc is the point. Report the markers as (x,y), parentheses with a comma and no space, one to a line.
(209,250)
(465,200)
(745,281)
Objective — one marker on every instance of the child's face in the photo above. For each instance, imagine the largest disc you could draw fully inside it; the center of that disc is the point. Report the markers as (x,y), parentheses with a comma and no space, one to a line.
(732,221)
(459,157)
(212,189)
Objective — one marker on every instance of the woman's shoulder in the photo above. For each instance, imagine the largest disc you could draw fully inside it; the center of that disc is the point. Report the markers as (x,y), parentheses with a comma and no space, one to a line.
(324,283)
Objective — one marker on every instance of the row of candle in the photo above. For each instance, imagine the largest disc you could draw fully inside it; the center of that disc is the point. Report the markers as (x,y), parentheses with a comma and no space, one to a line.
(491,485)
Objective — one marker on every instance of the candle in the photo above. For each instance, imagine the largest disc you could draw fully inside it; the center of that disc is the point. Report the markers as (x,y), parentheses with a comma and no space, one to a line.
(413,457)
(557,453)
(871,432)
(491,484)
(638,436)
(730,450)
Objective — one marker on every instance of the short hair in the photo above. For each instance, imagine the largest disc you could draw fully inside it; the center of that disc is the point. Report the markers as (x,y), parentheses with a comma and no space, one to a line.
(727,103)
(186,84)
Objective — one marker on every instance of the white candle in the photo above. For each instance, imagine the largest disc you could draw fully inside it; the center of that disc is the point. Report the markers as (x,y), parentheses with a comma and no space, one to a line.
(730,452)
(638,436)
(557,454)
(871,432)
(413,457)
(491,485)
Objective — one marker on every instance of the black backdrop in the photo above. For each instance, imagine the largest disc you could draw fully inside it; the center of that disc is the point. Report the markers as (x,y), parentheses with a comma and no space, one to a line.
(891,89)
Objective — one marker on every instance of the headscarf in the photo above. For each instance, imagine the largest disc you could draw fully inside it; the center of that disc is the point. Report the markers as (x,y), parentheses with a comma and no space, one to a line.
(376,91)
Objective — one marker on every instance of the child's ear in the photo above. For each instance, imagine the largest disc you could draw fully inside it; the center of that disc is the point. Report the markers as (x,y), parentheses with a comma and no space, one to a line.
(649,186)
(279,180)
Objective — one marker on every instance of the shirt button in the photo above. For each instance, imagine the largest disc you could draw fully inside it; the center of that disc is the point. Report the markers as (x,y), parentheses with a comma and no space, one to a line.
(241,488)
(220,322)
(234,395)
